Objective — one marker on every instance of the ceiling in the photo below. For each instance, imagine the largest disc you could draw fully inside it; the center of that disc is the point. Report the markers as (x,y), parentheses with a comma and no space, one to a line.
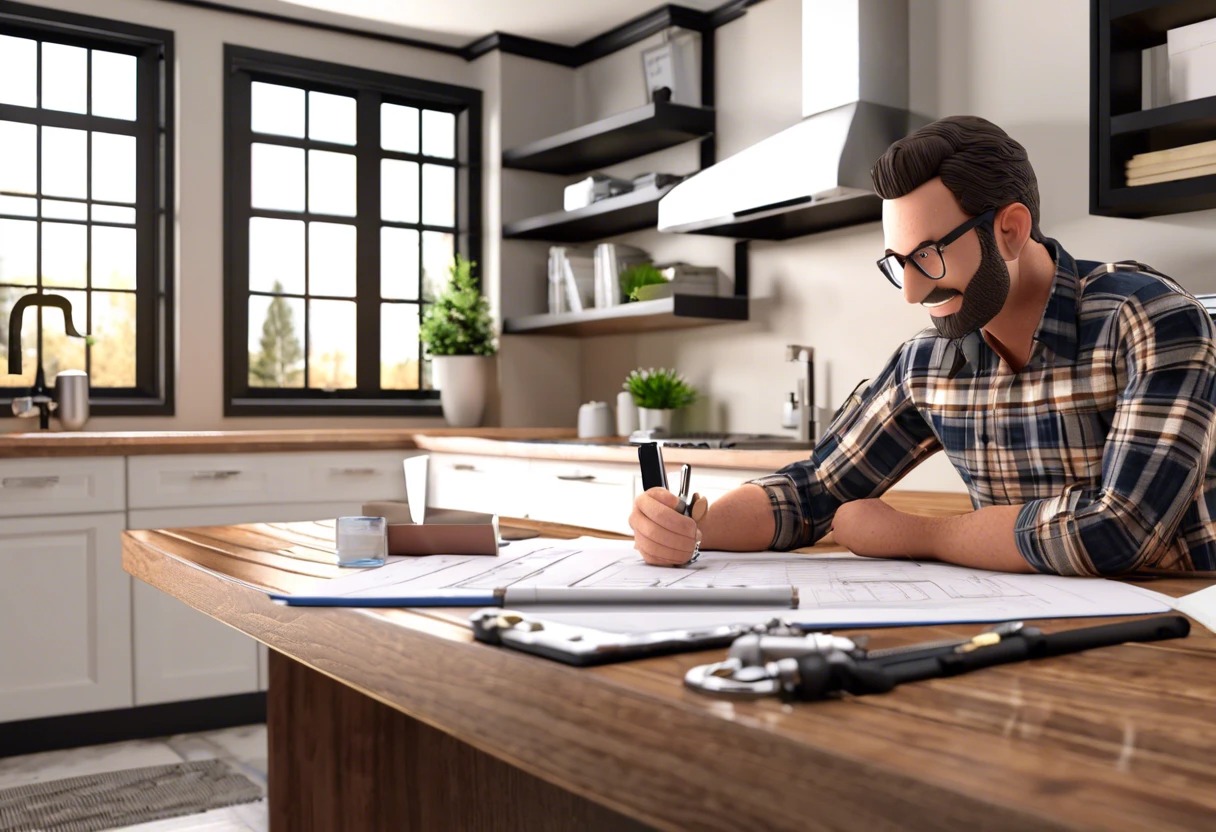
(457,22)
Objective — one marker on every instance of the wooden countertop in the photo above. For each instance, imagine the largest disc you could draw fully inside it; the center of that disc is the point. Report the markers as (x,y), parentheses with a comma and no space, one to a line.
(1119,738)
(131,443)
(506,442)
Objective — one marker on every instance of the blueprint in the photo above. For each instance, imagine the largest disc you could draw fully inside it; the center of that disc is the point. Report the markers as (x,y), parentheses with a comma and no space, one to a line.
(834,590)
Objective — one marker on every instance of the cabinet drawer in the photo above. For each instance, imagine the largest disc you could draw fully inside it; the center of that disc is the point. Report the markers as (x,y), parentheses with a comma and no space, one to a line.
(207,480)
(360,477)
(492,484)
(595,495)
(32,487)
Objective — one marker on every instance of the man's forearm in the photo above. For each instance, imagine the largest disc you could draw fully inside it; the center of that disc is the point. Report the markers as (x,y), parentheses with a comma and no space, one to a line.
(739,521)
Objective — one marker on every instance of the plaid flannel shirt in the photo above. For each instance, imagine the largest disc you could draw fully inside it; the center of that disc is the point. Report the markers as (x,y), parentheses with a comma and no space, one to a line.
(1105,437)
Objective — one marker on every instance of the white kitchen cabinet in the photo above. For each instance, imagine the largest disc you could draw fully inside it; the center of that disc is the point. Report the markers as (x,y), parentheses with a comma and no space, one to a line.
(491,484)
(41,486)
(65,616)
(593,495)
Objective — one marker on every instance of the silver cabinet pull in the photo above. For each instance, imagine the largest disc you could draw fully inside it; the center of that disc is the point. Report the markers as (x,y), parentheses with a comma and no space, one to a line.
(352,472)
(214,475)
(464,466)
(576,477)
(29,482)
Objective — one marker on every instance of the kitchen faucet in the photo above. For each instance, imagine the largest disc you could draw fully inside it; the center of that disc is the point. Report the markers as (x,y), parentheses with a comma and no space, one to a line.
(39,396)
(808,427)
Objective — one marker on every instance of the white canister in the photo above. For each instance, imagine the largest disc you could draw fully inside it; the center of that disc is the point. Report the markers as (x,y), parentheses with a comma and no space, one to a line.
(594,420)
(626,414)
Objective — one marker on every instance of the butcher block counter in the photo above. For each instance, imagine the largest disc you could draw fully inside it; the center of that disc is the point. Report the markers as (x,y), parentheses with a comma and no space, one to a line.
(397,719)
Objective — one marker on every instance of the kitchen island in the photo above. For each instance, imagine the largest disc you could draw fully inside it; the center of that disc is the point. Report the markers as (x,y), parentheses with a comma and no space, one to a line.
(396,719)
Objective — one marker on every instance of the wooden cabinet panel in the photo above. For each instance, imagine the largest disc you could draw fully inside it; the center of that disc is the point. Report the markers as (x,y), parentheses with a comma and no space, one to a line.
(592,495)
(496,485)
(42,486)
(65,616)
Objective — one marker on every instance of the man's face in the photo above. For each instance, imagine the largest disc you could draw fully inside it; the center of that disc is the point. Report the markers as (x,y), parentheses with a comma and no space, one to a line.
(976,283)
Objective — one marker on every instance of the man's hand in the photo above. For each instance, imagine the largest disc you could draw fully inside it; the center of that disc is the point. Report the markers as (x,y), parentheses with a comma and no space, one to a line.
(663,535)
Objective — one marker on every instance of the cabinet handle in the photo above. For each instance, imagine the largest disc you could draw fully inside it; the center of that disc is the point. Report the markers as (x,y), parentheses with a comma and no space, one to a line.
(29,482)
(352,472)
(576,477)
(214,475)
(464,466)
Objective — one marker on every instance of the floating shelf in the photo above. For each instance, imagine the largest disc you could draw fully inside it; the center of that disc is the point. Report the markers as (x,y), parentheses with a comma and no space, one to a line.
(1186,122)
(678,312)
(606,218)
(626,135)
(1195,194)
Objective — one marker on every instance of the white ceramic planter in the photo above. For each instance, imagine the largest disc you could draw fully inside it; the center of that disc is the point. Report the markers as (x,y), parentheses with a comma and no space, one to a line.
(464,384)
(649,419)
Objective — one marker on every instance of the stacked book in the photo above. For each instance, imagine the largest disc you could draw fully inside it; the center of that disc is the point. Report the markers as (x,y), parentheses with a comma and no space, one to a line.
(1176,163)
(571,279)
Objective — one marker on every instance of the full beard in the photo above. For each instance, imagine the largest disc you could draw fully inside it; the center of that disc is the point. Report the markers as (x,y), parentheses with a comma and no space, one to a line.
(984,296)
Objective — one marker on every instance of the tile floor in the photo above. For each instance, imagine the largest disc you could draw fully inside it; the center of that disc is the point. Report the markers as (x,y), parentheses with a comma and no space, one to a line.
(243,748)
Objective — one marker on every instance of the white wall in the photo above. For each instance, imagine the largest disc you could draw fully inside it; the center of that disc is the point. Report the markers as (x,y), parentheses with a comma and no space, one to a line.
(200,36)
(1023,64)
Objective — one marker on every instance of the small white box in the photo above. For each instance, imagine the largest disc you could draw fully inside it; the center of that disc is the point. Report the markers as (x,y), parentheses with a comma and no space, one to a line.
(1192,61)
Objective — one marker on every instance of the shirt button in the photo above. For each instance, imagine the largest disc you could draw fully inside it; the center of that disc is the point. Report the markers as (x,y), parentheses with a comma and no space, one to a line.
(984,439)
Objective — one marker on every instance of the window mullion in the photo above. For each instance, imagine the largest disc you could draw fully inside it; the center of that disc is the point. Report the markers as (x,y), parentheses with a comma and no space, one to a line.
(367,273)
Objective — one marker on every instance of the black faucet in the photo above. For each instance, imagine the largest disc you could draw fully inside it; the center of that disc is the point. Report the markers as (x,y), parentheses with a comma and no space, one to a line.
(39,396)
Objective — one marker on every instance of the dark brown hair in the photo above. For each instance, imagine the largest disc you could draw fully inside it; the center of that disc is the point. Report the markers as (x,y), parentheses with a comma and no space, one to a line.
(978,161)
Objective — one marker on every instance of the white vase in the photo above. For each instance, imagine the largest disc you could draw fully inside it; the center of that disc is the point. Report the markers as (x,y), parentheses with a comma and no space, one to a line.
(464,384)
(650,419)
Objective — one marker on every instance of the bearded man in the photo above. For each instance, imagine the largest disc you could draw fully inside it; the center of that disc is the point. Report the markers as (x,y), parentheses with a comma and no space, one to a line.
(1076,399)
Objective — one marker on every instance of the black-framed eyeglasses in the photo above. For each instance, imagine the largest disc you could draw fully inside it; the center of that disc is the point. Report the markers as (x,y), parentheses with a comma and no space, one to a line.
(928,257)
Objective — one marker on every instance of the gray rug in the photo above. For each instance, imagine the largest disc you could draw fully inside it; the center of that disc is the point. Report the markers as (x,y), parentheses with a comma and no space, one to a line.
(123,798)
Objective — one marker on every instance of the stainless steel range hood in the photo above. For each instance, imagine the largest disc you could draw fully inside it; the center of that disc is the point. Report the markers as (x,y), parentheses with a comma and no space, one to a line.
(815,175)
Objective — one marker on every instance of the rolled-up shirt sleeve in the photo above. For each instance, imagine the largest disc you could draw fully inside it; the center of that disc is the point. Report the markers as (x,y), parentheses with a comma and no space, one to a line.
(867,449)
(1157,449)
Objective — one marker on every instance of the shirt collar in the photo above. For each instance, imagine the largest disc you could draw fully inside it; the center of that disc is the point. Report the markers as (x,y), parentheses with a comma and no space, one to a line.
(1057,330)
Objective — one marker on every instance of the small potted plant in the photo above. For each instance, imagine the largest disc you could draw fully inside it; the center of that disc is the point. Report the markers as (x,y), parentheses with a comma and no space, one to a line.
(658,394)
(458,334)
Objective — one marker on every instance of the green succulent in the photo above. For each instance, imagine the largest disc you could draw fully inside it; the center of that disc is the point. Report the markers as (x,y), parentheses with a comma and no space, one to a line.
(634,277)
(660,389)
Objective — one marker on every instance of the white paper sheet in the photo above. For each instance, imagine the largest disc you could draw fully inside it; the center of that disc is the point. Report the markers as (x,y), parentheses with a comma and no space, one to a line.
(1200,606)
(835,590)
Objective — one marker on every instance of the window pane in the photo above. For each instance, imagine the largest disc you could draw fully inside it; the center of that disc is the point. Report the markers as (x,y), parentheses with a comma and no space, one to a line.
(64,78)
(114,86)
(276,109)
(398,190)
(331,183)
(20,205)
(59,350)
(331,344)
(64,162)
(58,210)
(399,346)
(112,213)
(113,167)
(276,256)
(438,134)
(399,263)
(64,254)
(29,343)
(331,259)
(399,128)
(114,327)
(113,260)
(277,177)
(18,254)
(331,118)
(438,251)
(18,71)
(276,342)
(438,195)
(18,157)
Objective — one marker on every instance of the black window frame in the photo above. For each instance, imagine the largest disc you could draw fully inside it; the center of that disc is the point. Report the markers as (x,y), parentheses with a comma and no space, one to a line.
(243,66)
(154,131)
